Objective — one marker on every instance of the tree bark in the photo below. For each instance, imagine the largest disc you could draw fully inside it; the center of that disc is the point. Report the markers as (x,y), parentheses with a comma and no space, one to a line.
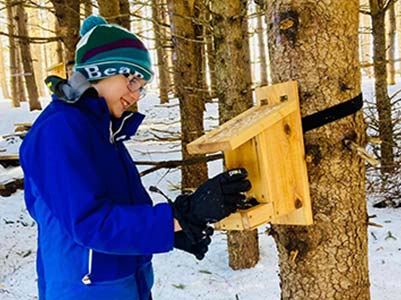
(233,89)
(397,9)
(21,95)
(37,51)
(316,43)
(26,57)
(391,29)
(383,102)
(3,79)
(87,7)
(110,10)
(124,18)
(13,55)
(187,78)
(59,45)
(160,39)
(68,18)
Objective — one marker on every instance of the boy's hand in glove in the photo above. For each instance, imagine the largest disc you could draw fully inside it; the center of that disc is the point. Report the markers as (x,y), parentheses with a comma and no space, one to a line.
(214,200)
(199,249)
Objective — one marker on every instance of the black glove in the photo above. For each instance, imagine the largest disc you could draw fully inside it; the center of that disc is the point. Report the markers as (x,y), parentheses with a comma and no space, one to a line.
(214,200)
(199,249)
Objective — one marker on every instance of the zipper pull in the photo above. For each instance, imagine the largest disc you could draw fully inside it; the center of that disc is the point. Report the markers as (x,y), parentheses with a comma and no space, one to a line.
(86,280)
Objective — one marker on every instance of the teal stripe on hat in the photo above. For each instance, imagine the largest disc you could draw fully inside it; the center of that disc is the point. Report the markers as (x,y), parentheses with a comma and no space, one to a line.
(139,56)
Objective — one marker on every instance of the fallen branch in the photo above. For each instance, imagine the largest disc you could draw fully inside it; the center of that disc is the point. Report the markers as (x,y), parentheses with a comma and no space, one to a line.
(9,188)
(9,160)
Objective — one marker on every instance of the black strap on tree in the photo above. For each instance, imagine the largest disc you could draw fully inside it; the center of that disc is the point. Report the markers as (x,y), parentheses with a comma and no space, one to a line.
(332,114)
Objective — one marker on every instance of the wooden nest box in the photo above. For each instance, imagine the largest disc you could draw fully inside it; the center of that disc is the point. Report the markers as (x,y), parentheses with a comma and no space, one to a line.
(267,140)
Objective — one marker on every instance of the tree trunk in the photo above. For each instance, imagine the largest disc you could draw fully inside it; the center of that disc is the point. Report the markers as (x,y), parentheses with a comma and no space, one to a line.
(160,37)
(187,78)
(397,9)
(137,20)
(168,49)
(262,47)
(391,29)
(124,18)
(366,44)
(26,58)
(87,7)
(13,55)
(3,79)
(67,14)
(233,89)
(37,51)
(383,102)
(20,78)
(59,44)
(110,10)
(316,43)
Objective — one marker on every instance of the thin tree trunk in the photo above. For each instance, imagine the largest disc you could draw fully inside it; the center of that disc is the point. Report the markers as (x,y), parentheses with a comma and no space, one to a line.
(319,49)
(261,46)
(398,30)
(67,14)
(124,19)
(168,49)
(3,79)
(26,57)
(233,89)
(20,78)
(391,44)
(59,44)
(366,44)
(87,7)
(187,64)
(37,51)
(162,65)
(137,23)
(13,55)
(110,10)
(383,102)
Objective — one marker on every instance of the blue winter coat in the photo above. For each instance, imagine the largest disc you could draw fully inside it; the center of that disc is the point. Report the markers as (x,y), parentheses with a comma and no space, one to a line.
(97,228)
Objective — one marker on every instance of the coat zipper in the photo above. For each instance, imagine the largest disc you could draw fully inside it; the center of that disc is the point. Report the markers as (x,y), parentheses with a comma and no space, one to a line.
(86,279)
(112,135)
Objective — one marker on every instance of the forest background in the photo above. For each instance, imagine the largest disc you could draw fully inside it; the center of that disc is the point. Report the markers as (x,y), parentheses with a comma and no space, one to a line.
(207,52)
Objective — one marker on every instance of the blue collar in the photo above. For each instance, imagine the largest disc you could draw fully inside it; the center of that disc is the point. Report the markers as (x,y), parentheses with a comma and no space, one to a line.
(114,129)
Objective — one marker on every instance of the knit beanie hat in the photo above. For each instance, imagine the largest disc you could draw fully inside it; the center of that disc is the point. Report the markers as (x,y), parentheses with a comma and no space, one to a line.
(106,50)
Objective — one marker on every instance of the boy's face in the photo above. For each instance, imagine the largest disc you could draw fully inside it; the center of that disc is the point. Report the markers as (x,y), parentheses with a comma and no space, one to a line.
(119,97)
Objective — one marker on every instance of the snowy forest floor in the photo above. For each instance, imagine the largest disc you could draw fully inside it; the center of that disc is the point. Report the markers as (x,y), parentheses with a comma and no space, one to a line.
(178,275)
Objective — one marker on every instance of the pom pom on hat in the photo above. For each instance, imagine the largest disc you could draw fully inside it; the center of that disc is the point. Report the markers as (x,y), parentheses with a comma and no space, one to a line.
(91,22)
(105,50)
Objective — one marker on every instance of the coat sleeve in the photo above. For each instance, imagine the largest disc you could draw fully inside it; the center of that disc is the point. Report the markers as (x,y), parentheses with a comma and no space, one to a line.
(58,162)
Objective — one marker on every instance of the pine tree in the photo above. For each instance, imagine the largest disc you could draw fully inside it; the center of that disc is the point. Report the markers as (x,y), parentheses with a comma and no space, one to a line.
(316,43)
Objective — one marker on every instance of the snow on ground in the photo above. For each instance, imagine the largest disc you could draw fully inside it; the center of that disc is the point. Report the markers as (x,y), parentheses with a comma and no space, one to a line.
(178,275)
